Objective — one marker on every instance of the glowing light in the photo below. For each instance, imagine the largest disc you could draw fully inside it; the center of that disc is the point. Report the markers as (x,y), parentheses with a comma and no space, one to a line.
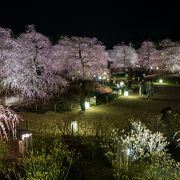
(99,77)
(87,105)
(151,67)
(104,77)
(121,83)
(74,126)
(173,67)
(126,93)
(128,152)
(104,73)
(27,135)
(160,81)
(117,85)
(157,68)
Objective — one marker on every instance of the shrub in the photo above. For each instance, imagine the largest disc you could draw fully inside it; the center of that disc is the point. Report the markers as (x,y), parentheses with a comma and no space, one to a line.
(158,166)
(145,159)
(141,141)
(53,164)
(4,149)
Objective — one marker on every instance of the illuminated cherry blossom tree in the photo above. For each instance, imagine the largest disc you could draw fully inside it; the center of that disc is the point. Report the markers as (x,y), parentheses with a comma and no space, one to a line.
(170,58)
(173,58)
(167,43)
(123,56)
(59,55)
(6,43)
(148,55)
(84,57)
(8,122)
(27,67)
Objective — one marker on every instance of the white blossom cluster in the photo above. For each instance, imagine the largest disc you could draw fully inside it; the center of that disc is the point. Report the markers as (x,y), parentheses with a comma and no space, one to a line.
(140,141)
(123,56)
(8,122)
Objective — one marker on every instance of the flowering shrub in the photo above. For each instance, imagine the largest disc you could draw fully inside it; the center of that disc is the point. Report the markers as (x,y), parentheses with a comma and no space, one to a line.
(141,141)
(142,154)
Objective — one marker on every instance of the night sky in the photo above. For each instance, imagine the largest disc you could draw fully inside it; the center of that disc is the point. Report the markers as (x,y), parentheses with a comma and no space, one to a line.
(110,22)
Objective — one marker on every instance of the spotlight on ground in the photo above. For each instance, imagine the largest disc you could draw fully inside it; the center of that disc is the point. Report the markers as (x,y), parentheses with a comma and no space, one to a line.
(160,81)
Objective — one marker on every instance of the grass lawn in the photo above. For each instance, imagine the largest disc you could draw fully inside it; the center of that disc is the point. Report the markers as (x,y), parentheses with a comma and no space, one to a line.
(99,121)
(95,125)
(106,116)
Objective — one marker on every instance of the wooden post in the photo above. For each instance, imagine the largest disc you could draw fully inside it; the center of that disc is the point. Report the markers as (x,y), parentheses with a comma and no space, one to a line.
(27,125)
(55,107)
(21,147)
(95,100)
(122,155)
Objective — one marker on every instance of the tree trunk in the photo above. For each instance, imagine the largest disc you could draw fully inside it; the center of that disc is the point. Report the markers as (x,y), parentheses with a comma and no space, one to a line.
(36,108)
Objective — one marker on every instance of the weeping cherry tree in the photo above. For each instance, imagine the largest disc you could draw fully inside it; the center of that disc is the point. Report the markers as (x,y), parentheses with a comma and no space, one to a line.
(123,56)
(27,67)
(84,58)
(8,123)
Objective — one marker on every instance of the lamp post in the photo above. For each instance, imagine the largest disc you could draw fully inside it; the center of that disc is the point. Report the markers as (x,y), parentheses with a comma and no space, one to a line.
(126,93)
(160,81)
(24,138)
(87,105)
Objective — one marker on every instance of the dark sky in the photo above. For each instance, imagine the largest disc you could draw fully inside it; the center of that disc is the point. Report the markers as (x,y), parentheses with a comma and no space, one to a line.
(110,22)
